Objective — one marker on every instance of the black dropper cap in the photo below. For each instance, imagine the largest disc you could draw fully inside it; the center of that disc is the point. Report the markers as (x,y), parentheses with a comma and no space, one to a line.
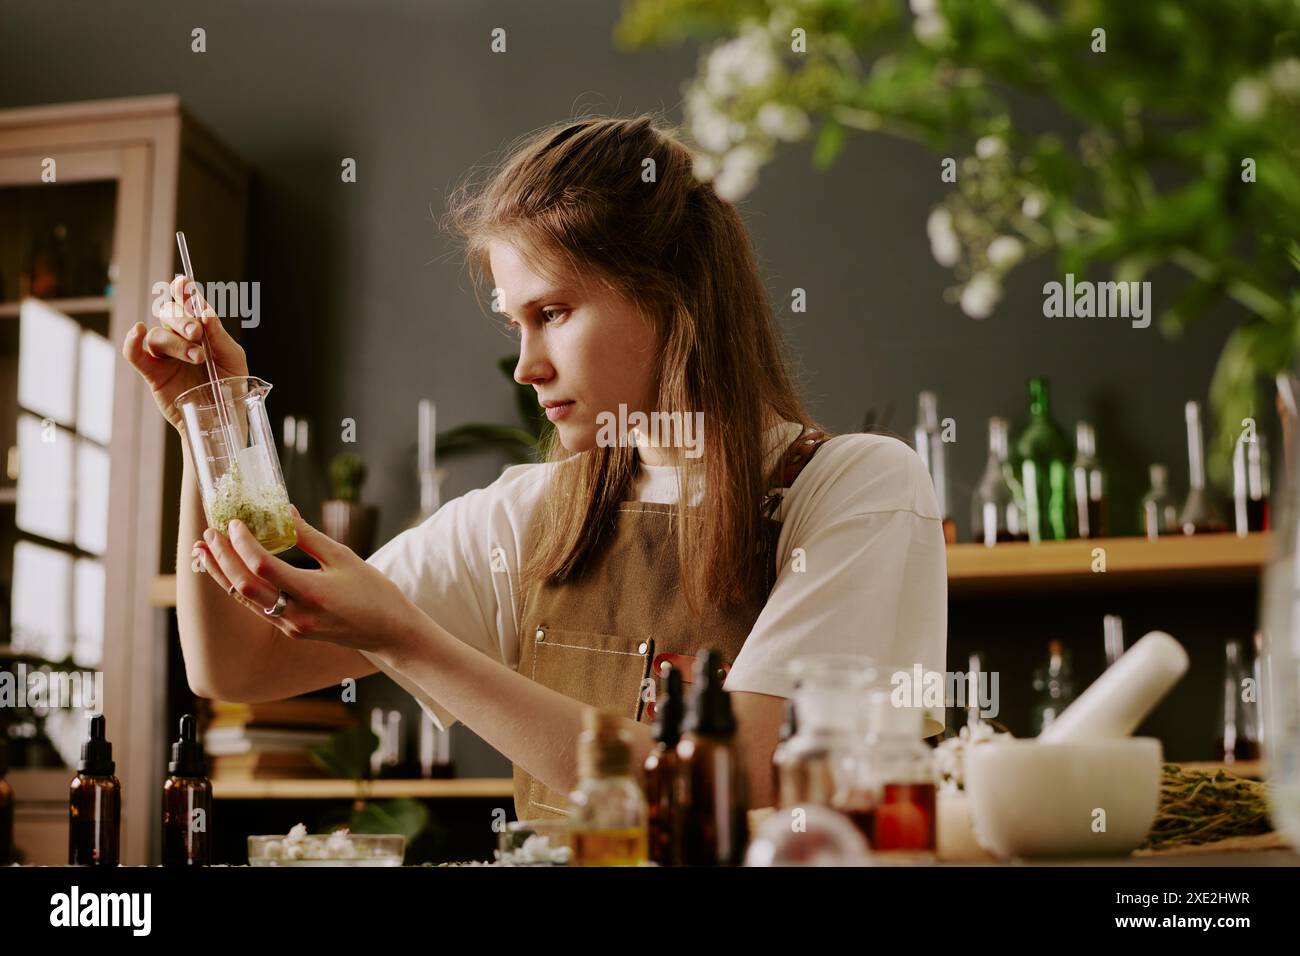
(710,711)
(187,753)
(669,710)
(4,756)
(97,752)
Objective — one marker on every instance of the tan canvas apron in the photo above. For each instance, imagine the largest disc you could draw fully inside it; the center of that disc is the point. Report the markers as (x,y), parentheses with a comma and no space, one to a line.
(602,639)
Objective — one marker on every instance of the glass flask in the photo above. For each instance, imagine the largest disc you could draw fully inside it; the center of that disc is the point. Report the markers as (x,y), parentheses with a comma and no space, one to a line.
(1240,738)
(929,445)
(1250,480)
(997,507)
(233,449)
(1159,513)
(1089,484)
(821,837)
(1200,515)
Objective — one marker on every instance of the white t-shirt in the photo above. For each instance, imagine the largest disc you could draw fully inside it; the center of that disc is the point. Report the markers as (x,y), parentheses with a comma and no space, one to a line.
(871,577)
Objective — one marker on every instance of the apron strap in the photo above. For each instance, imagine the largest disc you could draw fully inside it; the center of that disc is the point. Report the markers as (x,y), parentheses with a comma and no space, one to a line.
(792,463)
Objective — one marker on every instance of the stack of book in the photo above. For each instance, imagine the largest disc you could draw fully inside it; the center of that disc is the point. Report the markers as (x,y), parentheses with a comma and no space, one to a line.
(270,740)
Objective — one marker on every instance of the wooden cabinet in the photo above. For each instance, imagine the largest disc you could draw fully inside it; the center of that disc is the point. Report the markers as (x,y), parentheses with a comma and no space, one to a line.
(91,196)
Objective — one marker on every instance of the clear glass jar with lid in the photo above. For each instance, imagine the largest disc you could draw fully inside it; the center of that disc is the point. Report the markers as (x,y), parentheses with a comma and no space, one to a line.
(894,778)
(813,765)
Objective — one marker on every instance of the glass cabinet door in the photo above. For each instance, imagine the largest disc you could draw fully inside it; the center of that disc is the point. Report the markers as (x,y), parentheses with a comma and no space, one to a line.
(58,361)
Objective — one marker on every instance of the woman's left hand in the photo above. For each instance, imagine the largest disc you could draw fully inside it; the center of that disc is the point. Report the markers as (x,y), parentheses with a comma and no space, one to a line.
(346,602)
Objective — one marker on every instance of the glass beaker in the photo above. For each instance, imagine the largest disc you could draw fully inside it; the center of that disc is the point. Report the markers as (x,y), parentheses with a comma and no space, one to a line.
(239,471)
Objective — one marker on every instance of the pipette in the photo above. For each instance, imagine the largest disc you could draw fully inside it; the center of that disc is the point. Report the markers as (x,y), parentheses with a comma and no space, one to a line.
(227,433)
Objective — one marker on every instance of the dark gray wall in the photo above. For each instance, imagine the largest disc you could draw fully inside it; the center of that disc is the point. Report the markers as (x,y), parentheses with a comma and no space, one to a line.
(365,309)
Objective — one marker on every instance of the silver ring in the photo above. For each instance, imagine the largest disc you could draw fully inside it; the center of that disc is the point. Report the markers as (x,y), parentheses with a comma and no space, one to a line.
(281,603)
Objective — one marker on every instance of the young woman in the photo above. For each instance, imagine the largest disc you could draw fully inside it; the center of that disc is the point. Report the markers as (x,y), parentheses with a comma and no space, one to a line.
(633,288)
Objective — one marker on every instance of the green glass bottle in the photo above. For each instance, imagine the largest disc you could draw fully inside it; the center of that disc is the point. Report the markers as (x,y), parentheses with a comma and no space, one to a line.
(1043,452)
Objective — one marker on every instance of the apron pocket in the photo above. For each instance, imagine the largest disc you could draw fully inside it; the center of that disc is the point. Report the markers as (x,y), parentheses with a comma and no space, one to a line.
(600,670)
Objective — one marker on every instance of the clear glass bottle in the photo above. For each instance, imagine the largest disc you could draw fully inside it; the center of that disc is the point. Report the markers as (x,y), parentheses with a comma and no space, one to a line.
(1159,513)
(1199,514)
(897,767)
(929,445)
(1250,483)
(1053,687)
(1089,484)
(1112,626)
(997,506)
(1240,739)
(607,811)
(1043,452)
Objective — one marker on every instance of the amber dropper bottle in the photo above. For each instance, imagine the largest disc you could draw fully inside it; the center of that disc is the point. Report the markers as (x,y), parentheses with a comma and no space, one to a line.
(94,803)
(711,797)
(187,803)
(660,770)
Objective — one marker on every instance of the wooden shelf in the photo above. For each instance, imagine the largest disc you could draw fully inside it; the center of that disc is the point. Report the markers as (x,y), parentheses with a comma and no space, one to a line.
(80,306)
(468,787)
(1213,559)
(973,569)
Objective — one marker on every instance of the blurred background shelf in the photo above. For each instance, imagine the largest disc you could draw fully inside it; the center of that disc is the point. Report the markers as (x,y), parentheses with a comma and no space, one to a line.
(1211,559)
(468,787)
(974,569)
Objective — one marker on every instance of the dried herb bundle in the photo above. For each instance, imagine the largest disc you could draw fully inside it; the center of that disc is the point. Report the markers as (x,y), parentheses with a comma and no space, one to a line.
(1201,807)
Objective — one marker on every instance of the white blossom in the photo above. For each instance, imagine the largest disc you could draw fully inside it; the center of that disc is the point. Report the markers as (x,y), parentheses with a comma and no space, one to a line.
(1285,76)
(1005,251)
(931,29)
(923,8)
(739,173)
(980,296)
(710,127)
(740,64)
(944,244)
(1033,205)
(989,146)
(1248,98)
(782,121)
(705,166)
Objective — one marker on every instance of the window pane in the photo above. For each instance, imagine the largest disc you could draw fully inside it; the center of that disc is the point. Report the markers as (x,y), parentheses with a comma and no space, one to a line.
(95,388)
(88,613)
(41,600)
(92,497)
(44,479)
(48,342)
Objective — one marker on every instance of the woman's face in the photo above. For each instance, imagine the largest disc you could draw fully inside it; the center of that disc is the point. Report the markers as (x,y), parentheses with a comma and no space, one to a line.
(584,349)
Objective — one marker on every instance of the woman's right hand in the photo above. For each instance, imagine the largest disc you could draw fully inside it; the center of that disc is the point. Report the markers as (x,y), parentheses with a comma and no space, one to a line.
(169,356)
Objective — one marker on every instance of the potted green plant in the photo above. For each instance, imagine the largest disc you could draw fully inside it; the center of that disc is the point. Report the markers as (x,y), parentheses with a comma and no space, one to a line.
(344,518)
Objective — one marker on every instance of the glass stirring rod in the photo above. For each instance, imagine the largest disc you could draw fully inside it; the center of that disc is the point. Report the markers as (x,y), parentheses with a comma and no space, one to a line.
(226,432)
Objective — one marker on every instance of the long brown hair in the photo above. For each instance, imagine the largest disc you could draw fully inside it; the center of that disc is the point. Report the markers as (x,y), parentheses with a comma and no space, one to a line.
(575,199)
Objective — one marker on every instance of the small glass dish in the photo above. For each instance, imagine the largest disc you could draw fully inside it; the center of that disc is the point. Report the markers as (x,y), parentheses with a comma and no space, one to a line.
(326,849)
(534,843)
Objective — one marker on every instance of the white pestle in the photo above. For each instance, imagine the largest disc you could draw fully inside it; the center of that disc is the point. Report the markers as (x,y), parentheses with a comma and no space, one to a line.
(1117,701)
